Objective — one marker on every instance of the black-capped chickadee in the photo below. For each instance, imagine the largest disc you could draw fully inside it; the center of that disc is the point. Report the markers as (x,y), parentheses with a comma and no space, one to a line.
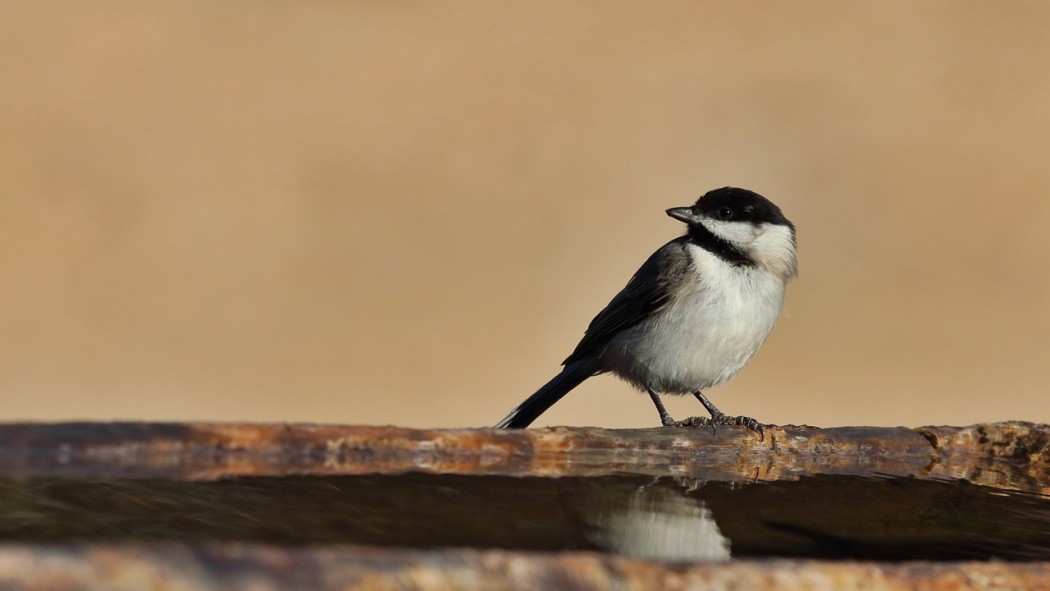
(693,314)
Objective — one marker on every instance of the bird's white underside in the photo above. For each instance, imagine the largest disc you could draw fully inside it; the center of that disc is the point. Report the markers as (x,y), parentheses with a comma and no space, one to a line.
(703,339)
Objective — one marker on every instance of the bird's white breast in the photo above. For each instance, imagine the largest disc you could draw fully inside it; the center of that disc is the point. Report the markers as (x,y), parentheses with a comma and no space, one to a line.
(712,326)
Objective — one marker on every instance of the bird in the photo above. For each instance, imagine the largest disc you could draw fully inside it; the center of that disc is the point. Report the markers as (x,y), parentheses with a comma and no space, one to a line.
(693,314)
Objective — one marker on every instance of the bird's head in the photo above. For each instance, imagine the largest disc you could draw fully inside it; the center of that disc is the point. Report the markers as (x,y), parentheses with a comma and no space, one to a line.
(748,223)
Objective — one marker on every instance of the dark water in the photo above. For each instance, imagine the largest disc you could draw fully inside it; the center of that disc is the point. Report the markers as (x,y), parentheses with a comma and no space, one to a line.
(667,518)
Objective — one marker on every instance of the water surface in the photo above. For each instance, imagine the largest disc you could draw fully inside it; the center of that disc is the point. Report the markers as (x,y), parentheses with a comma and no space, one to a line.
(659,518)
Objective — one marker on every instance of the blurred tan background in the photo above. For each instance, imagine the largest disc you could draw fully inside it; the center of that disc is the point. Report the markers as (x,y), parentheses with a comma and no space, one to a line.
(402,212)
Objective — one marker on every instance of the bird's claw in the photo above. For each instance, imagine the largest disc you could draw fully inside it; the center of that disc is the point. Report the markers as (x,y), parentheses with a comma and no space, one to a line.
(748,422)
(690,422)
(715,420)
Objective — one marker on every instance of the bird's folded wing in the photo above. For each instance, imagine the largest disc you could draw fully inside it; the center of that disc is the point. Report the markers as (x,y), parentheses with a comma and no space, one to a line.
(647,292)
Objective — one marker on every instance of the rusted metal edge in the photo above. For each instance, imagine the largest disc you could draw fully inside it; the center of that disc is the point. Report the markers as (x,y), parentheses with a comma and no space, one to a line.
(229,566)
(1009,455)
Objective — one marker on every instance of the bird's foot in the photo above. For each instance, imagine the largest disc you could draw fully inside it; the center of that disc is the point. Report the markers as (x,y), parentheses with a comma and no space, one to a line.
(715,421)
(690,422)
(750,423)
(720,418)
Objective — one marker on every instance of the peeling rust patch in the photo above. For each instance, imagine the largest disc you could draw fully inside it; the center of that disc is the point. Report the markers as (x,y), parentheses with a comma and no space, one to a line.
(930,436)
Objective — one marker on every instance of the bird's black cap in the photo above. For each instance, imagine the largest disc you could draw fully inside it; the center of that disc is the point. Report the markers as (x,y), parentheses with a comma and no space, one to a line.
(735,204)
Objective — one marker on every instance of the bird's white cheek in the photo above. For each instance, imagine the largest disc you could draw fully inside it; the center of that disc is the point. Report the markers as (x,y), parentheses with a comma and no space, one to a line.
(740,233)
(774,249)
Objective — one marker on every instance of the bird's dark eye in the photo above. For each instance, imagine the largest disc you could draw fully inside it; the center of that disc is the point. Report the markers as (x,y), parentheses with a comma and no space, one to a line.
(725,213)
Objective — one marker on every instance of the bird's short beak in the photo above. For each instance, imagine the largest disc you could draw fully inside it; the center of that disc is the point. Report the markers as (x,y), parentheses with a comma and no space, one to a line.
(684,214)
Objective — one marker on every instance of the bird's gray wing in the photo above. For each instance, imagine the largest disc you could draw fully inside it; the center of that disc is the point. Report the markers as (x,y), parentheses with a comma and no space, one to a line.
(646,293)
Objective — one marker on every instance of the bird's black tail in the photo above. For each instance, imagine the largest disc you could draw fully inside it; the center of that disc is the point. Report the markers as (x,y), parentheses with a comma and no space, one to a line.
(551,392)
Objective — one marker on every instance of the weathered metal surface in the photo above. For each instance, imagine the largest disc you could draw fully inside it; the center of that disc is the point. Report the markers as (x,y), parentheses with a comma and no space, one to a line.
(1014,456)
(206,451)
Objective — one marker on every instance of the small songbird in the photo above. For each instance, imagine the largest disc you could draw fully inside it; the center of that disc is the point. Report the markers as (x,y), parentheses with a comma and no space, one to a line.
(693,314)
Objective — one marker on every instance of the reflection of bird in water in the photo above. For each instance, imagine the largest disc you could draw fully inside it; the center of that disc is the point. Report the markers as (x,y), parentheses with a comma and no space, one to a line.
(660,523)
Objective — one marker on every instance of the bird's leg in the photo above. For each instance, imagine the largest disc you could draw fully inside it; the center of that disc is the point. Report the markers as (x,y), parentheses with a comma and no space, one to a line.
(720,418)
(666,419)
(717,416)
